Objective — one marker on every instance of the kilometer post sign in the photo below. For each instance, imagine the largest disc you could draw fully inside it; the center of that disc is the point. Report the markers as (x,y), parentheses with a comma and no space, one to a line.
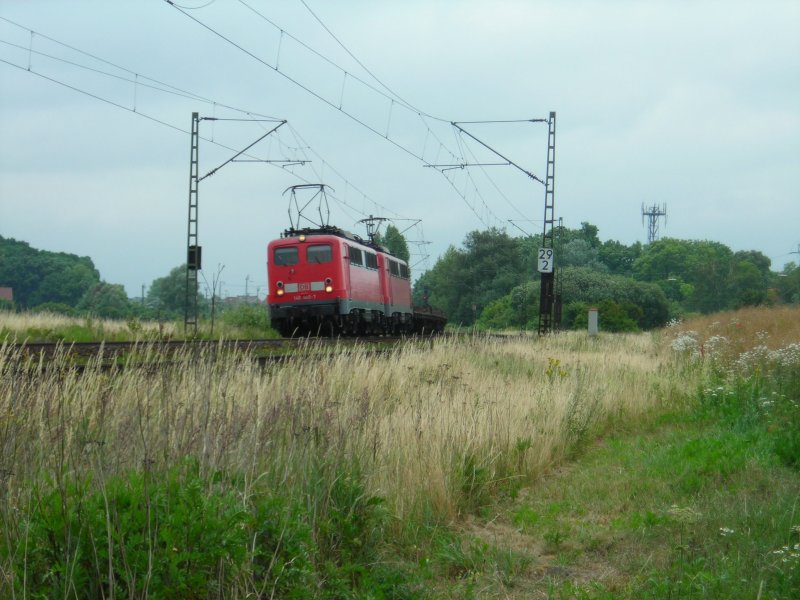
(545,260)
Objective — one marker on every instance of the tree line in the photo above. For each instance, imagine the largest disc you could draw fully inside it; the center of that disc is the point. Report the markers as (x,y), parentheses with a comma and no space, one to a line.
(70,284)
(492,282)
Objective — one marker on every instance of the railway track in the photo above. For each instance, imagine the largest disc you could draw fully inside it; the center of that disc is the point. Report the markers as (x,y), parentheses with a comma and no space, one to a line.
(257,346)
(91,349)
(264,351)
(117,356)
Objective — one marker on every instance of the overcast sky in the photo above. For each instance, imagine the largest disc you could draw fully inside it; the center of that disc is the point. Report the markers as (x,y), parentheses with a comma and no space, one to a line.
(692,105)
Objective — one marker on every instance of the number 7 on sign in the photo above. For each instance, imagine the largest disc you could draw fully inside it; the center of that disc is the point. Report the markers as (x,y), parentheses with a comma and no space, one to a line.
(545,260)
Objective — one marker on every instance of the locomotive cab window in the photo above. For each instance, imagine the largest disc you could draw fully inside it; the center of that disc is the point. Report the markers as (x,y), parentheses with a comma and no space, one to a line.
(320,253)
(404,273)
(371,260)
(394,268)
(285,256)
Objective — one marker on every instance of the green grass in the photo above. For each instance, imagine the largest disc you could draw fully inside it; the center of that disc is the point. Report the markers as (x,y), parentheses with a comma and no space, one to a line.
(706,506)
(696,497)
(242,322)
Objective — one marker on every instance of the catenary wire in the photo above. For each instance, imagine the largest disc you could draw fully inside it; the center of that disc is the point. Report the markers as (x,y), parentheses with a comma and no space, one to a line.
(394,94)
(161,87)
(277,69)
(285,75)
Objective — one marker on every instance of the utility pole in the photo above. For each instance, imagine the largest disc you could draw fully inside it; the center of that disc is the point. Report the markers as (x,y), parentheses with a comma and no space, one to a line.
(193,259)
(549,301)
(246,281)
(193,249)
(550,298)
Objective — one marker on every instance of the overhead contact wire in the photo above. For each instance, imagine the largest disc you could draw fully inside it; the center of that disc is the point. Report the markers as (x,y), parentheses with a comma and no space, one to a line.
(394,94)
(325,100)
(294,81)
(136,81)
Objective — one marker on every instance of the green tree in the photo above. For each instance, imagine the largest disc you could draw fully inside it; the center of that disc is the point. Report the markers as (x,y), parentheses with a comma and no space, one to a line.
(491,266)
(648,283)
(700,270)
(590,287)
(39,276)
(588,233)
(663,259)
(580,253)
(616,317)
(788,283)
(437,283)
(64,281)
(167,295)
(519,309)
(750,278)
(107,300)
(710,268)
(465,281)
(528,250)
(498,314)
(618,257)
(395,242)
(748,285)
(756,258)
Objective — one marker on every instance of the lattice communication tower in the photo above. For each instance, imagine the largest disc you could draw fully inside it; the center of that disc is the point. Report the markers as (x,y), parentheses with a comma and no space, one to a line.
(653,213)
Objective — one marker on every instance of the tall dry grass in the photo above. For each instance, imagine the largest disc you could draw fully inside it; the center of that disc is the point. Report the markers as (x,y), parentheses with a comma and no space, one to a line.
(430,428)
(775,327)
(47,326)
(734,344)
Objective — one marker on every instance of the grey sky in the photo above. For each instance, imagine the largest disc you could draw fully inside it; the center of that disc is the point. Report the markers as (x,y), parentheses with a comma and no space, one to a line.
(692,104)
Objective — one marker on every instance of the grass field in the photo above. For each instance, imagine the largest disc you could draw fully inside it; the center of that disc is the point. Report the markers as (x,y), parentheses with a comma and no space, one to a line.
(659,465)
(249,321)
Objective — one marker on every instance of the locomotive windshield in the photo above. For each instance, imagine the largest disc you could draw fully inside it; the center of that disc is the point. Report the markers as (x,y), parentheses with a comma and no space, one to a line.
(285,256)
(320,253)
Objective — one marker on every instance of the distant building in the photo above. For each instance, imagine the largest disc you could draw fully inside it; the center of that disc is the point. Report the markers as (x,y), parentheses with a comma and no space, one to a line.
(7,293)
(240,300)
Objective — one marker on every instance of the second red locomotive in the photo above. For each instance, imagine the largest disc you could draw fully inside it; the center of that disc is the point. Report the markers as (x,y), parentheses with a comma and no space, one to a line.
(329,282)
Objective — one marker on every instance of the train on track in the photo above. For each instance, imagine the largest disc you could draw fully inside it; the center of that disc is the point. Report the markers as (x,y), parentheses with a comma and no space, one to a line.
(328,282)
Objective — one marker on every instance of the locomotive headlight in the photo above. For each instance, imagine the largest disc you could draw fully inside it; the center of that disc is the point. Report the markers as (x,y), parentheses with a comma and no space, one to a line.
(302,238)
(279,292)
(328,285)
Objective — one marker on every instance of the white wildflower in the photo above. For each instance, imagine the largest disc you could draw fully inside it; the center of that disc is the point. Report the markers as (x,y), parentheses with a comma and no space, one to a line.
(686,344)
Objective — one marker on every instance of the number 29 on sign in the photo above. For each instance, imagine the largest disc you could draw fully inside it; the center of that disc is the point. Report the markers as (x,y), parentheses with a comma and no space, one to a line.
(545,260)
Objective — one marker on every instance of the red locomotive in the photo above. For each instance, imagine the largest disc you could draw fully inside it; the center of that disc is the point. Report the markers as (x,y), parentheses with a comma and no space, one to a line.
(326,281)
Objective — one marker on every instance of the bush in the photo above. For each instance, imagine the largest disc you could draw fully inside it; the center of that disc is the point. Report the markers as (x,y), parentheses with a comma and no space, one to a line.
(250,320)
(55,307)
(185,534)
(575,315)
(135,535)
(613,317)
(618,317)
(584,285)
